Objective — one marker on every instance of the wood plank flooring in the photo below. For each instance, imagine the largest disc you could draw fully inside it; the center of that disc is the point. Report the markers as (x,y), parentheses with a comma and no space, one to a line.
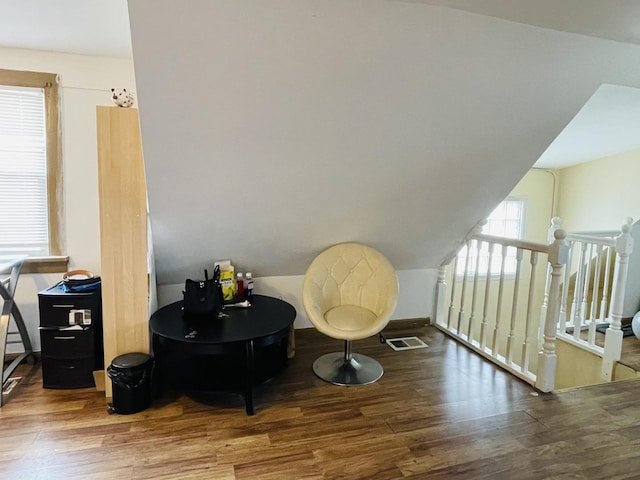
(630,355)
(630,352)
(437,413)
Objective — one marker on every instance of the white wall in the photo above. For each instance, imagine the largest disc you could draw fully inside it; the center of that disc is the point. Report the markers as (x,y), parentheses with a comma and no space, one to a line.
(599,195)
(415,298)
(538,188)
(85,82)
(298,124)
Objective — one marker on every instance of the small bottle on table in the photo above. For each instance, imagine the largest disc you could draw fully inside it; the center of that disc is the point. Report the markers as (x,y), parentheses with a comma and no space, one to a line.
(249,287)
(240,290)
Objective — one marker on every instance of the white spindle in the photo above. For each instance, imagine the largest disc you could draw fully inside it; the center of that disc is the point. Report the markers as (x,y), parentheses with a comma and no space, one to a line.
(441,290)
(464,286)
(594,297)
(545,304)
(485,306)
(577,290)
(526,346)
(474,292)
(514,308)
(453,291)
(565,289)
(596,284)
(496,327)
(605,286)
(586,283)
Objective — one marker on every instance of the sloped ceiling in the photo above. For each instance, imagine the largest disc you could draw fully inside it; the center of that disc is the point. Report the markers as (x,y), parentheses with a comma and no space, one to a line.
(274,129)
(617,20)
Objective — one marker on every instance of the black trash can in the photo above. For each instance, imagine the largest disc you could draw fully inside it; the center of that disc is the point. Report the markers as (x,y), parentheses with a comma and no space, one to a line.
(130,376)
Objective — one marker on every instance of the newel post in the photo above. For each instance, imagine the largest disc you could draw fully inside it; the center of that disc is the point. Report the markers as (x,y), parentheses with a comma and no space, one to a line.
(555,225)
(613,335)
(547,357)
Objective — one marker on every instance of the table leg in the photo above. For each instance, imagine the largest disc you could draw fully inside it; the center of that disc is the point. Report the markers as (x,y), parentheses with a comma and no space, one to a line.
(248,392)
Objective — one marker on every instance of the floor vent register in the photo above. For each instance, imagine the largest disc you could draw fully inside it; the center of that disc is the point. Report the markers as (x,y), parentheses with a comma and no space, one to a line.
(405,343)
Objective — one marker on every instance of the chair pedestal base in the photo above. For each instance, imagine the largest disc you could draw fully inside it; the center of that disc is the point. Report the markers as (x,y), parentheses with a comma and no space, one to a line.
(357,370)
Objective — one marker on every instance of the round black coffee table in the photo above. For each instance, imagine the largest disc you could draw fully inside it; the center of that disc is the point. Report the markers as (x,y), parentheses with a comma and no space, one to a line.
(242,334)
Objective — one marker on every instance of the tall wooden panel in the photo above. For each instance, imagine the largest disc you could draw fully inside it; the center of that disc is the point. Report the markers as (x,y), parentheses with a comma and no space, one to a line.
(123,234)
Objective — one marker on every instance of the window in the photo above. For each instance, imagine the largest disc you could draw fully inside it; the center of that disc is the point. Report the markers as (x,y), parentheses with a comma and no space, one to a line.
(30,172)
(507,220)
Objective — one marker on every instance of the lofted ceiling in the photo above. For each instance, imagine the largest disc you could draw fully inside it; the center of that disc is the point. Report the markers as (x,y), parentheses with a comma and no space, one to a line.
(85,27)
(606,126)
(617,20)
(299,123)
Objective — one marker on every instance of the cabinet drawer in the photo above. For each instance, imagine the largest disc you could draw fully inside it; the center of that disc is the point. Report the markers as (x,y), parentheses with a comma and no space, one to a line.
(55,306)
(67,373)
(67,343)
(54,311)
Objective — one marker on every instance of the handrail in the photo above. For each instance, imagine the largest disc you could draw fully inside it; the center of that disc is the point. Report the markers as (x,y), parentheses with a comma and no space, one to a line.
(512,242)
(606,241)
(595,233)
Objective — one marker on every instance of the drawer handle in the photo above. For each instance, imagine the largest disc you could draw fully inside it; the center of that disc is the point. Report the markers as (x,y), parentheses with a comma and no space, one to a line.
(63,306)
(64,338)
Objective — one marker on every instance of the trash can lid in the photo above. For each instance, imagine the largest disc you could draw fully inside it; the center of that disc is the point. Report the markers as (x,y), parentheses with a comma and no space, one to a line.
(129,360)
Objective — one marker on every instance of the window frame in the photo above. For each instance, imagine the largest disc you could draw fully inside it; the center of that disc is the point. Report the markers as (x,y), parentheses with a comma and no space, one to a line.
(522,226)
(55,261)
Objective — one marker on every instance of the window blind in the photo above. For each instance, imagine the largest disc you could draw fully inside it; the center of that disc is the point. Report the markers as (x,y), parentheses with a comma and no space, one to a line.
(23,172)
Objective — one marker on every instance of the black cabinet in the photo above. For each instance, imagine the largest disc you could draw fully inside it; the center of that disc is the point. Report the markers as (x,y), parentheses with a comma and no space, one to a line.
(70,337)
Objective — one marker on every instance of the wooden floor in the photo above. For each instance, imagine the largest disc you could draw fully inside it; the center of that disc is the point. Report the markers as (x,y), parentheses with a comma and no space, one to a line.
(630,355)
(631,352)
(438,413)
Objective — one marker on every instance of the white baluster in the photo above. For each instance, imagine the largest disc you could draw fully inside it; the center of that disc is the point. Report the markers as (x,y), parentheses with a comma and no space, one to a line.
(474,293)
(485,306)
(496,327)
(547,358)
(464,287)
(526,346)
(514,308)
(453,291)
(545,304)
(613,335)
(555,225)
(565,288)
(585,286)
(605,287)
(577,290)
(593,320)
(441,290)
(596,283)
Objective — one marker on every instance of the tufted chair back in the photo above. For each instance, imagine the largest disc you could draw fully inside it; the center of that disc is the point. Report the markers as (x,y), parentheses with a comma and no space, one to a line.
(350,291)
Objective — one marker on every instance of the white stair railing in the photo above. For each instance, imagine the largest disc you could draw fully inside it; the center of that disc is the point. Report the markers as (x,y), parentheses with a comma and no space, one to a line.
(505,284)
(591,255)
(502,285)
